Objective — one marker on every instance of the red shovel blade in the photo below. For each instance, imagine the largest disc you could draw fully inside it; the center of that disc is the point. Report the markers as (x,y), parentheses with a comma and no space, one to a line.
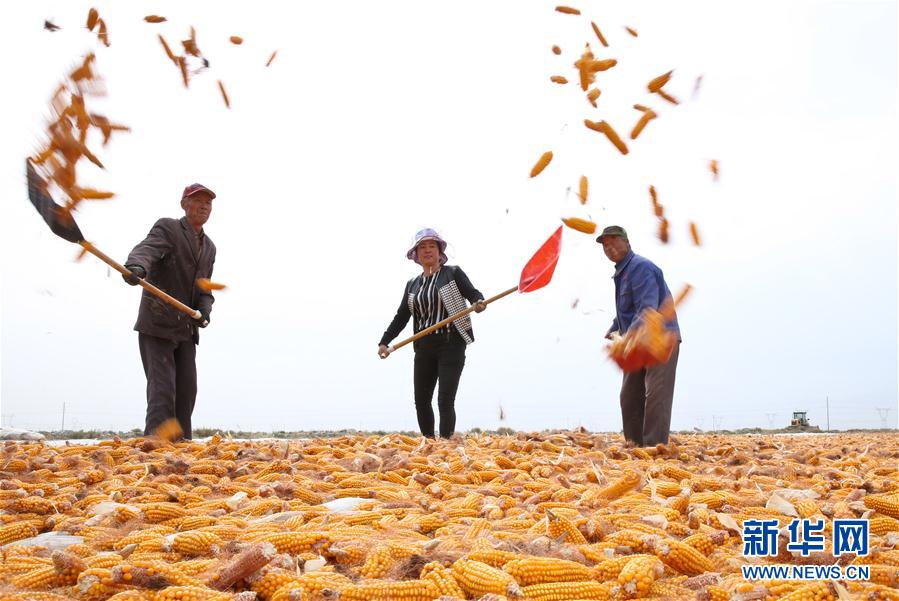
(539,270)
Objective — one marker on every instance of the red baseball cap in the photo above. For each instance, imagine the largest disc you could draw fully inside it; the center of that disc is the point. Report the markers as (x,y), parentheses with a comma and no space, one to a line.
(194,188)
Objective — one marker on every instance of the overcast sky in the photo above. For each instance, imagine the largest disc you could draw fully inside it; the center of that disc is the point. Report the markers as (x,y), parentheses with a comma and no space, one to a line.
(379,118)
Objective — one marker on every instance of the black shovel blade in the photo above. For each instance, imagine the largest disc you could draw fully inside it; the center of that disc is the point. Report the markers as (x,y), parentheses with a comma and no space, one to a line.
(61,223)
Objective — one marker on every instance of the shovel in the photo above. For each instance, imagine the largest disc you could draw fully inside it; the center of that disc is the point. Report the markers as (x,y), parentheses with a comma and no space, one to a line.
(63,225)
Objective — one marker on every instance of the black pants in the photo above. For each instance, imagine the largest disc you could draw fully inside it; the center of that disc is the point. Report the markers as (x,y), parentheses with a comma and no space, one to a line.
(171,372)
(646,398)
(438,357)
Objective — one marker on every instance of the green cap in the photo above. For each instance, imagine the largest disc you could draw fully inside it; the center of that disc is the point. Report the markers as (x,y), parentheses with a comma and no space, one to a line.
(612,230)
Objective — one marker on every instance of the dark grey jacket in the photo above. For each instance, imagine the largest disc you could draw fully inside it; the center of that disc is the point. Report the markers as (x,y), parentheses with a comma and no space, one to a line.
(170,256)
(453,286)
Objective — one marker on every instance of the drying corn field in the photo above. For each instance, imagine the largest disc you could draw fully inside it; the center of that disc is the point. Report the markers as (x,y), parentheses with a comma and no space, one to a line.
(539,517)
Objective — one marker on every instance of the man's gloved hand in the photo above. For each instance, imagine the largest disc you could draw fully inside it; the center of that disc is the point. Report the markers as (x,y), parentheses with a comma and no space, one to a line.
(203,321)
(137,273)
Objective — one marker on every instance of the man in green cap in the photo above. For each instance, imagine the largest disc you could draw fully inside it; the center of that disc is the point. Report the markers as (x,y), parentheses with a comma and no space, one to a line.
(646,394)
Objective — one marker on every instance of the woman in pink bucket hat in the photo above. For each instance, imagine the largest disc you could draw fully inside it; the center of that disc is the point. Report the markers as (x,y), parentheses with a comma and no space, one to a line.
(440,290)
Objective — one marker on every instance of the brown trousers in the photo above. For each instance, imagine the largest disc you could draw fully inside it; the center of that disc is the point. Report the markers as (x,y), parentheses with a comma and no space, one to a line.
(171,371)
(646,399)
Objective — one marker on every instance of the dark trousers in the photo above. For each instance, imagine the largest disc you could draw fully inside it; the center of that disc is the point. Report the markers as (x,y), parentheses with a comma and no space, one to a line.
(171,372)
(438,357)
(646,398)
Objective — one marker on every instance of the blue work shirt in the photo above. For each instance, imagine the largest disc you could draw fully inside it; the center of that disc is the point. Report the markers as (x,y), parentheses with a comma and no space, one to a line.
(638,284)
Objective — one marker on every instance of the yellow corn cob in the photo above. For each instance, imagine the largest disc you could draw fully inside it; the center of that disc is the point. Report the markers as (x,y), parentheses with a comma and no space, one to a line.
(68,566)
(37,505)
(95,584)
(678,529)
(609,569)
(879,592)
(628,480)
(561,528)
(192,522)
(293,542)
(378,562)
(677,473)
(682,558)
(887,504)
(882,524)
(714,592)
(538,570)
(680,503)
(478,578)
(565,591)
(816,591)
(170,572)
(267,583)
(635,539)
(15,465)
(666,488)
(16,531)
(34,596)
(884,574)
(133,595)
(190,593)
(160,512)
(493,557)
(40,578)
(442,579)
(638,574)
(806,507)
(704,542)
(196,542)
(407,590)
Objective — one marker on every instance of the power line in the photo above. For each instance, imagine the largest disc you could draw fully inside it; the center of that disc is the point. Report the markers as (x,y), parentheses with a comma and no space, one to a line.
(717,420)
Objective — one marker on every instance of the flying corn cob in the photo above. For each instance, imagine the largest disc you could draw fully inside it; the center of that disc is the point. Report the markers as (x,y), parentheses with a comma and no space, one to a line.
(581,225)
(541,163)
(604,128)
(645,118)
(599,36)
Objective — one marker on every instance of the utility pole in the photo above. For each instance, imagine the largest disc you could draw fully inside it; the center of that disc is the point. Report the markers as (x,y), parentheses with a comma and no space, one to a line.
(63,427)
(884,416)
(827,400)
(716,421)
(771,417)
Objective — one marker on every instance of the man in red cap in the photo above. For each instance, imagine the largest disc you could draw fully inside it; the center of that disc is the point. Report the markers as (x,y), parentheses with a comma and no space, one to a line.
(172,257)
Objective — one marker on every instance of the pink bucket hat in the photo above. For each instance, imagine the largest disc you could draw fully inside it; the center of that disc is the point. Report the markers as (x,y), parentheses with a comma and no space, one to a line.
(427,234)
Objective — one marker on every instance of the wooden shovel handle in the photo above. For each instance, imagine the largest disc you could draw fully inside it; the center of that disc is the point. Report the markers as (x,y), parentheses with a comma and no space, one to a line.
(144,283)
(449,319)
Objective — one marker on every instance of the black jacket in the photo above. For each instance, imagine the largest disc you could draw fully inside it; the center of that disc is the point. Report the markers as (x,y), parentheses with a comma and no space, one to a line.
(452,285)
(172,261)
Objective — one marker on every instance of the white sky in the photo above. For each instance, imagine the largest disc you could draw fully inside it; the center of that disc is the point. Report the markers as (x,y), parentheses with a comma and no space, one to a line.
(378,118)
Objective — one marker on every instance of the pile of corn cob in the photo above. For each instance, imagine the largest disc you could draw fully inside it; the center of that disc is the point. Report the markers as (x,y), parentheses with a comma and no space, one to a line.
(533,517)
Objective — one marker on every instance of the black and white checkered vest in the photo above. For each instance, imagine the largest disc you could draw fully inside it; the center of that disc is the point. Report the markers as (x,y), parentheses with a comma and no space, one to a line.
(451,298)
